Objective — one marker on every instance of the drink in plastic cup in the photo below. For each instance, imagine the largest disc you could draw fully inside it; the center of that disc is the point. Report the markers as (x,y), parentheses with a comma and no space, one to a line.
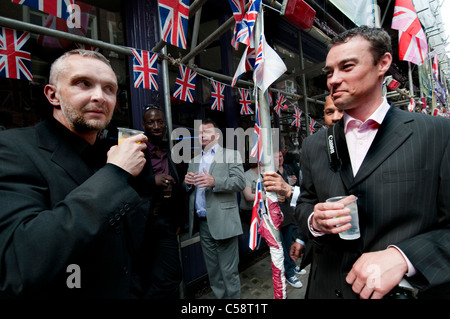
(291,180)
(126,132)
(350,202)
(167,192)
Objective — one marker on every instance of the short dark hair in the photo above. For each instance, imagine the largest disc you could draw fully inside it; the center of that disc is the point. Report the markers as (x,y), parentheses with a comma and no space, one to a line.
(380,40)
(209,121)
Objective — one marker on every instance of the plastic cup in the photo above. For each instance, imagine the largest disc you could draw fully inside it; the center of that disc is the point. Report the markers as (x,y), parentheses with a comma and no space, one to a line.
(167,192)
(126,132)
(350,202)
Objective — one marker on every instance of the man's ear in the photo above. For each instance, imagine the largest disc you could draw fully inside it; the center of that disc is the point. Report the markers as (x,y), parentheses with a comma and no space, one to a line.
(50,93)
(385,63)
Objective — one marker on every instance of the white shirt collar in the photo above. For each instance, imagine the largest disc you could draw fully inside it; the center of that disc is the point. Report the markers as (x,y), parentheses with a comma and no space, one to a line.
(377,116)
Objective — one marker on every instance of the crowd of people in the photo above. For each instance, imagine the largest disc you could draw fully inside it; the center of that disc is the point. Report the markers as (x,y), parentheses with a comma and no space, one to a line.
(73,203)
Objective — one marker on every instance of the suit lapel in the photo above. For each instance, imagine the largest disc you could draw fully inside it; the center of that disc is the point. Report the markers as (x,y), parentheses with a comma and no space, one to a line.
(346,169)
(391,134)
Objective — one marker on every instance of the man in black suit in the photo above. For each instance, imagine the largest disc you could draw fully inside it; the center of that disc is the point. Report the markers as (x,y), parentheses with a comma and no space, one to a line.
(70,220)
(398,165)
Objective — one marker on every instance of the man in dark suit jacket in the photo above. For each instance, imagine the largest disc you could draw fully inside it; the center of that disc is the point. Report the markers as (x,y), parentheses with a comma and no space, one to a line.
(398,165)
(70,222)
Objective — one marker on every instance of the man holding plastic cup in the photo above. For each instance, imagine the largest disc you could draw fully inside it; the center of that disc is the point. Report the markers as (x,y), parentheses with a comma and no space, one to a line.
(397,164)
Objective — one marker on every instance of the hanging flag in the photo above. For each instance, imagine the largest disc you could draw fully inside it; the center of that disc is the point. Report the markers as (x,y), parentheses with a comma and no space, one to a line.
(435,68)
(245,101)
(297,117)
(243,31)
(145,72)
(15,63)
(237,6)
(247,63)
(185,84)
(58,8)
(257,149)
(268,65)
(412,105)
(312,123)
(174,17)
(217,95)
(280,104)
(258,210)
(412,41)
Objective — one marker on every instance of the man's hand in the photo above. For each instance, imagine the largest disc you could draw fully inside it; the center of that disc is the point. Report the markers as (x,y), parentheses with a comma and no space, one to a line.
(274,182)
(129,154)
(296,251)
(204,180)
(164,180)
(328,215)
(374,274)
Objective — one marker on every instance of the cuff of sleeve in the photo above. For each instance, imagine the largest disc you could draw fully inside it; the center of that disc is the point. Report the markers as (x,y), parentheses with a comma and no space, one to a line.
(295,193)
(314,232)
(411,269)
(301,242)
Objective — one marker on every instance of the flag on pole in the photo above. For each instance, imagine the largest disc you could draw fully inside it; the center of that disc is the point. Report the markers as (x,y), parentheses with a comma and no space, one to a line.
(58,8)
(174,17)
(15,63)
(145,72)
(297,117)
(280,104)
(257,149)
(412,105)
(217,95)
(245,101)
(185,84)
(312,123)
(247,63)
(412,41)
(435,68)
(258,209)
(238,7)
(268,65)
(244,28)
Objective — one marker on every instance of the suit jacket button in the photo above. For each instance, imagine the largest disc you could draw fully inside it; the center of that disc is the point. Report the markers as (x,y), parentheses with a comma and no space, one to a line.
(338,293)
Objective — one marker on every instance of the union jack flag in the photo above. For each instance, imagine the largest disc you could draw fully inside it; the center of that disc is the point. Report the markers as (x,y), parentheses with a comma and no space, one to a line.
(243,29)
(185,84)
(297,117)
(245,101)
(174,17)
(247,63)
(436,67)
(217,95)
(58,8)
(280,104)
(312,123)
(144,70)
(413,46)
(237,6)
(258,209)
(15,63)
(257,149)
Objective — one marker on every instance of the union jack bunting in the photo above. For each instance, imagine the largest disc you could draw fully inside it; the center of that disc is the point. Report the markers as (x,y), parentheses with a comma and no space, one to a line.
(185,84)
(312,123)
(257,149)
(217,95)
(243,29)
(413,46)
(144,69)
(297,117)
(258,209)
(15,63)
(58,8)
(174,17)
(245,102)
(237,6)
(280,104)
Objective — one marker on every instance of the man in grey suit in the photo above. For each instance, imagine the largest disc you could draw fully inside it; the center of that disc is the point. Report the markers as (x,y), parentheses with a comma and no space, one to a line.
(398,165)
(213,179)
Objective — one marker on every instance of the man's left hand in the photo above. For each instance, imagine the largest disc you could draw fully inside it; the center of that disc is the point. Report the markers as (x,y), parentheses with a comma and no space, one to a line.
(204,180)
(374,274)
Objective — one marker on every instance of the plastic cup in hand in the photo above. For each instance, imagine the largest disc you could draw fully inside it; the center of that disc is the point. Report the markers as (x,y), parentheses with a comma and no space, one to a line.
(291,180)
(167,192)
(126,132)
(350,202)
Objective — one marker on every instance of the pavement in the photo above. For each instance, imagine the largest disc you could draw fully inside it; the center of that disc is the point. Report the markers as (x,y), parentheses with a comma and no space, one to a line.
(256,282)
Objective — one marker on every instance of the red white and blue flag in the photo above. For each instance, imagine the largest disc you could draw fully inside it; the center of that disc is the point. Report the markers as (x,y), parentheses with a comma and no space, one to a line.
(312,123)
(174,17)
(245,101)
(247,63)
(412,43)
(435,68)
(243,31)
(258,209)
(297,117)
(145,72)
(280,104)
(237,6)
(217,96)
(257,149)
(58,8)
(15,63)
(185,84)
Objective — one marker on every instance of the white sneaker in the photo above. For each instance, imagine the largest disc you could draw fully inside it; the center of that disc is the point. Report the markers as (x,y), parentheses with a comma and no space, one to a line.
(299,271)
(294,282)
